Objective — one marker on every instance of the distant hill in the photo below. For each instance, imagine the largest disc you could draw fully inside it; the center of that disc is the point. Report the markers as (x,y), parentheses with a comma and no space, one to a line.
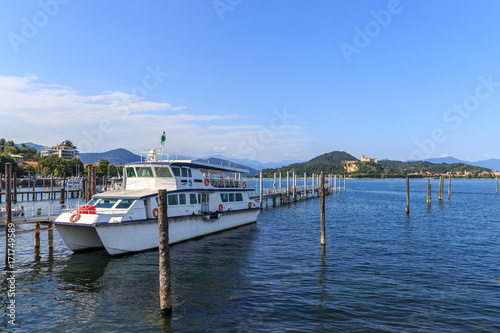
(31,144)
(448,159)
(492,163)
(116,157)
(328,163)
(396,167)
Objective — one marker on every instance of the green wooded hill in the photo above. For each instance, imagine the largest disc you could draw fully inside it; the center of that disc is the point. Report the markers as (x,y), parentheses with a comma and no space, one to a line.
(403,168)
(328,163)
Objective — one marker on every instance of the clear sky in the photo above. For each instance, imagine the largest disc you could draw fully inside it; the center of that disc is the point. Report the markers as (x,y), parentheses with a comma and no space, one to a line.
(267,80)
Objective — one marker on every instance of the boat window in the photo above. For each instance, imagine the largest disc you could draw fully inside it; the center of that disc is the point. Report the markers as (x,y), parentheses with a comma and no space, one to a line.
(106,203)
(239,197)
(163,172)
(92,202)
(173,200)
(182,199)
(189,172)
(144,172)
(224,197)
(130,172)
(184,172)
(124,204)
(176,171)
(204,197)
(231,197)
(192,199)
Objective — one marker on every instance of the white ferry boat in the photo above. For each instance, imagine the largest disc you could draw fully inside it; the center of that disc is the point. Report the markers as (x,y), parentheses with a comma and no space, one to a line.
(203,198)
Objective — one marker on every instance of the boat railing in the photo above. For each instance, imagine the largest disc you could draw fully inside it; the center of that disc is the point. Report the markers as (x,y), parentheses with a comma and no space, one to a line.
(29,212)
(226,183)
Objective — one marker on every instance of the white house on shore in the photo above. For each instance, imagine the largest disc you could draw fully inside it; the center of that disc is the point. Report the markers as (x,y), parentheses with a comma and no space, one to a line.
(61,151)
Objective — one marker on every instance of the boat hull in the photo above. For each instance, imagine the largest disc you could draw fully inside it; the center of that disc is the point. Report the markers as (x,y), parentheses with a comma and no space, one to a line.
(126,237)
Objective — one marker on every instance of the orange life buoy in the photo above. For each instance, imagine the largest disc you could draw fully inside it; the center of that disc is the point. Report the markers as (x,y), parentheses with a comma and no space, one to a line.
(221,208)
(155,212)
(207,182)
(250,205)
(75,217)
(244,185)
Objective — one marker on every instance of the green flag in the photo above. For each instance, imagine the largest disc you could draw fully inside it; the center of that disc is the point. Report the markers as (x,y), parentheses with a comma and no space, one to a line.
(163,137)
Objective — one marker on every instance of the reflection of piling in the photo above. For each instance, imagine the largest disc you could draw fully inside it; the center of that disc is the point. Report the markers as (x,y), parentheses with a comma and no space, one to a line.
(164,250)
(429,199)
(407,195)
(8,211)
(322,195)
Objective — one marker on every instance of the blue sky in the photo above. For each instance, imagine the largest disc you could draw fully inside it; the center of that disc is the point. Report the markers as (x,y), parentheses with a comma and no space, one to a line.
(266,80)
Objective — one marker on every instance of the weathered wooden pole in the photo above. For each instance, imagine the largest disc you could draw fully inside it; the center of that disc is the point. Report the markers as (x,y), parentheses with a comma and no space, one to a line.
(287,198)
(61,194)
(440,196)
(322,196)
(0,187)
(335,184)
(279,185)
(52,187)
(8,210)
(344,183)
(305,186)
(261,189)
(449,187)
(51,237)
(37,236)
(407,195)
(33,189)
(429,199)
(294,186)
(164,249)
(14,181)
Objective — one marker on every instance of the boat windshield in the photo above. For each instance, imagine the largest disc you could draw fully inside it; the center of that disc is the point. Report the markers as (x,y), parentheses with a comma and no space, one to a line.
(106,203)
(124,204)
(163,172)
(144,172)
(130,172)
(92,202)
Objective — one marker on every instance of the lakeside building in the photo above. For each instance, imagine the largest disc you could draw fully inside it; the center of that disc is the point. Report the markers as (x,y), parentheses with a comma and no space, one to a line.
(61,151)
(18,158)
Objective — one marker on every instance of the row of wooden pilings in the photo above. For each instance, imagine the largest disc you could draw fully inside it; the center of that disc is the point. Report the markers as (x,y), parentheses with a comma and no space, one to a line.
(89,188)
(429,196)
(10,228)
(293,193)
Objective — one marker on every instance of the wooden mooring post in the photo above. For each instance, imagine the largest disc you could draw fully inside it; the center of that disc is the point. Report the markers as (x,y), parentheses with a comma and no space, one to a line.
(14,187)
(407,196)
(61,194)
(0,187)
(449,187)
(261,189)
(164,250)
(37,236)
(429,199)
(496,192)
(8,211)
(322,196)
(440,195)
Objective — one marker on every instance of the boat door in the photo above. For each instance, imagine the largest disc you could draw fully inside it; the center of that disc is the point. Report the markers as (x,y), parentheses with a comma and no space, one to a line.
(204,203)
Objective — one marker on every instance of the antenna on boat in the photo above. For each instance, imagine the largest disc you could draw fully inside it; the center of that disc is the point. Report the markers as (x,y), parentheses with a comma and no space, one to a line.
(162,143)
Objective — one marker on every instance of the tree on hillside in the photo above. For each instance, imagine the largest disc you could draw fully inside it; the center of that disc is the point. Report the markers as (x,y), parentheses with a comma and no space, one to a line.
(69,144)
(4,158)
(10,150)
(102,168)
(2,142)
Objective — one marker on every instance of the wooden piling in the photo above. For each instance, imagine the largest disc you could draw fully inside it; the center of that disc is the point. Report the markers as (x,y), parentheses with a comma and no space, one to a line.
(449,187)
(14,188)
(322,196)
(497,184)
(0,187)
(440,195)
(51,237)
(164,250)
(61,194)
(8,210)
(34,185)
(429,199)
(52,187)
(287,186)
(261,189)
(407,195)
(37,236)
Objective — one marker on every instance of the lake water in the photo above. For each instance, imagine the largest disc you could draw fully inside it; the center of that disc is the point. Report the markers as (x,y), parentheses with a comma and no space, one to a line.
(435,271)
